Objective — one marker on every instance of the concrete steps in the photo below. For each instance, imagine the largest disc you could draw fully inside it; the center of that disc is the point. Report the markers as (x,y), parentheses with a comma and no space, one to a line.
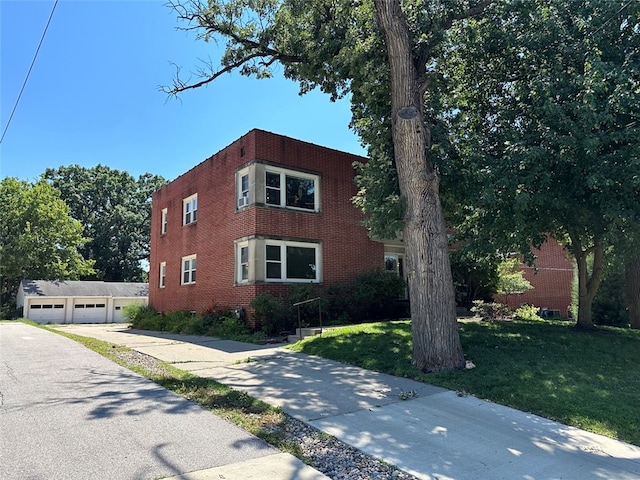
(303,333)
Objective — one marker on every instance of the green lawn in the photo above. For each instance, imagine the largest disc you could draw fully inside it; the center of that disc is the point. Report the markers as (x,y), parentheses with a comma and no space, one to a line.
(590,380)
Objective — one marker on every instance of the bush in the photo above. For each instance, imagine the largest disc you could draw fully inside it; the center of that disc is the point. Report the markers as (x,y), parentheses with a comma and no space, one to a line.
(309,312)
(140,315)
(609,305)
(373,296)
(271,313)
(527,313)
(490,310)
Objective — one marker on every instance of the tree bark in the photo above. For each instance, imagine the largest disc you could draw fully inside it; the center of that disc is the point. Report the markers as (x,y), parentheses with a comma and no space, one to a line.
(632,281)
(436,342)
(587,284)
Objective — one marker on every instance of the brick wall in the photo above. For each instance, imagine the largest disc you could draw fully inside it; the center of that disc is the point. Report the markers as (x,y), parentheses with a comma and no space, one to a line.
(346,248)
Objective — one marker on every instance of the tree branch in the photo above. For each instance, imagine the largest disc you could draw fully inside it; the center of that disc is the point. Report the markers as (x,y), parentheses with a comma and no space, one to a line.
(476,11)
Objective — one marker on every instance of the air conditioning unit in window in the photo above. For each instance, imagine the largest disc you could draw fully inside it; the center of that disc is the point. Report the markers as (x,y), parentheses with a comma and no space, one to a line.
(243,202)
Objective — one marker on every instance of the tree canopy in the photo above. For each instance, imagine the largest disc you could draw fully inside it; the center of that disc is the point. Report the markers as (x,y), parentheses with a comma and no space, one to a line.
(544,125)
(115,210)
(38,237)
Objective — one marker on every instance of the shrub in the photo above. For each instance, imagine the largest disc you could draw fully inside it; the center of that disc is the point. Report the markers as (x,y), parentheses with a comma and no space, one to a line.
(271,313)
(141,316)
(373,296)
(490,310)
(309,312)
(527,313)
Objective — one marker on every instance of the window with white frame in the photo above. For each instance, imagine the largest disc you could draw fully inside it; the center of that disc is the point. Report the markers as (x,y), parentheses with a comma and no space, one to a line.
(163,274)
(243,190)
(292,261)
(190,209)
(163,222)
(286,188)
(188,270)
(243,262)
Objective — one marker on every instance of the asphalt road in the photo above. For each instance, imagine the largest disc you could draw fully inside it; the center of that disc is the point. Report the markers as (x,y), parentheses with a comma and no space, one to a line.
(69,413)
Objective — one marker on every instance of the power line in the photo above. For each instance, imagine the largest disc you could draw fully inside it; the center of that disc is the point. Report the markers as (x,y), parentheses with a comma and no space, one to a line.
(29,72)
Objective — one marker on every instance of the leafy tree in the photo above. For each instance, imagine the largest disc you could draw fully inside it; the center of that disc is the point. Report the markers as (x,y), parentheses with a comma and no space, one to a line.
(545,135)
(115,210)
(381,54)
(511,278)
(38,237)
(475,277)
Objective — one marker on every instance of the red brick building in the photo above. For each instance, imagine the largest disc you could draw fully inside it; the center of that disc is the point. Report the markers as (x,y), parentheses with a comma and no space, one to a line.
(262,214)
(265,213)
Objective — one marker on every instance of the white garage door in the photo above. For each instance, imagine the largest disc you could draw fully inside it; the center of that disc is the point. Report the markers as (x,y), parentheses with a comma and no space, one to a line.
(46,311)
(90,310)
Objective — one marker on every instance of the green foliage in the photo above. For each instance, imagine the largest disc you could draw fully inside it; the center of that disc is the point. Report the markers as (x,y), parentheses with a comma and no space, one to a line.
(542,124)
(115,211)
(527,313)
(609,304)
(511,278)
(136,312)
(488,311)
(38,237)
(215,322)
(373,296)
(475,276)
(271,313)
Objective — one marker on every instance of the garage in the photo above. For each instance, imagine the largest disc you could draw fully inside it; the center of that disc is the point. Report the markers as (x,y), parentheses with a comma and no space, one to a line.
(90,310)
(76,301)
(47,311)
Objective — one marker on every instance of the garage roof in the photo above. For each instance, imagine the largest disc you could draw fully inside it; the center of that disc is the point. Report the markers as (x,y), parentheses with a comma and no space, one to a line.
(82,288)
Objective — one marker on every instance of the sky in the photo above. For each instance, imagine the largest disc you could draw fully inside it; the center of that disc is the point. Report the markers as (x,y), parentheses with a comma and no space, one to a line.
(92,96)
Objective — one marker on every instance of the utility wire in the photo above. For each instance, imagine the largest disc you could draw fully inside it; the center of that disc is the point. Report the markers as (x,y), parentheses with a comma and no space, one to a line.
(29,72)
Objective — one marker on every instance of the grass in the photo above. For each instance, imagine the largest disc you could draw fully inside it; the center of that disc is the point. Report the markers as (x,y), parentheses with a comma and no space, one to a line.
(589,380)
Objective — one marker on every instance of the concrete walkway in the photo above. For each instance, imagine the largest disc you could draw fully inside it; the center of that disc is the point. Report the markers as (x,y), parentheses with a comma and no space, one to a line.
(433,435)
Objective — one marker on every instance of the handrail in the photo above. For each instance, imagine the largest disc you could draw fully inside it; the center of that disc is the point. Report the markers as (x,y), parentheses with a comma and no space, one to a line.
(317,299)
(306,301)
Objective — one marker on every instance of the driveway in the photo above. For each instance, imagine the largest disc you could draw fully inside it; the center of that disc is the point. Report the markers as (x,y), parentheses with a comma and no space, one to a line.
(67,412)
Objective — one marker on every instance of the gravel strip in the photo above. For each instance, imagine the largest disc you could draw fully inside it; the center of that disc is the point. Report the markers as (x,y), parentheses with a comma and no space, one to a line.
(325,453)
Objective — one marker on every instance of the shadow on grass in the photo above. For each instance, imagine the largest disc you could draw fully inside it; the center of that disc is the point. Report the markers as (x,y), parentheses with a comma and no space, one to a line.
(589,380)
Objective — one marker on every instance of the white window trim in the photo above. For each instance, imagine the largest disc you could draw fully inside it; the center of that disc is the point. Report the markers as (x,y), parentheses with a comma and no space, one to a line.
(163,221)
(239,278)
(283,260)
(190,209)
(163,275)
(244,196)
(191,271)
(283,172)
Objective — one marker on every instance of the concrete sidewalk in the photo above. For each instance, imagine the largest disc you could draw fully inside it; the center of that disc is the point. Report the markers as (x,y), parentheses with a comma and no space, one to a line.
(435,434)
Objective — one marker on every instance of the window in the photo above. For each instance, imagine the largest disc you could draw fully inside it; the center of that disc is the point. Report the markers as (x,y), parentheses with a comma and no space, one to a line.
(190,209)
(188,270)
(243,190)
(243,265)
(163,223)
(285,188)
(292,261)
(391,263)
(163,274)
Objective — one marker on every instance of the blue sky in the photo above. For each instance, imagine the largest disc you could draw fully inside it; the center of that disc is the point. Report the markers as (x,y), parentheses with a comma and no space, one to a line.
(92,96)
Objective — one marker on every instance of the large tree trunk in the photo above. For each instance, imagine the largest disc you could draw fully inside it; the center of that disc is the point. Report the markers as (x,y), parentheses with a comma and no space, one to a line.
(436,342)
(587,283)
(632,281)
